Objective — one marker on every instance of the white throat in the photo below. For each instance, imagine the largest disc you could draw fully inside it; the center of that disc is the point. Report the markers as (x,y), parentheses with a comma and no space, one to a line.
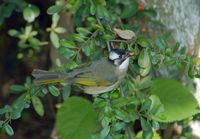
(124,64)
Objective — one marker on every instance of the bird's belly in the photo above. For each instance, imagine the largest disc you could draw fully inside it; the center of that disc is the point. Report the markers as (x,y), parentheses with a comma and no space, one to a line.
(95,90)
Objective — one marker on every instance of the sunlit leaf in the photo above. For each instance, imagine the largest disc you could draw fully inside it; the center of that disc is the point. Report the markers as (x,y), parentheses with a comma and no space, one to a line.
(155,135)
(174,97)
(60,30)
(144,59)
(54,39)
(76,119)
(31,12)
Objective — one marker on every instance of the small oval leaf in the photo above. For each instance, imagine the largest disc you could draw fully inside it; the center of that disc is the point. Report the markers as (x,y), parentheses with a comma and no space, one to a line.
(37,105)
(30,13)
(53,90)
(125,34)
(8,129)
(55,9)
(54,39)
(17,88)
(144,59)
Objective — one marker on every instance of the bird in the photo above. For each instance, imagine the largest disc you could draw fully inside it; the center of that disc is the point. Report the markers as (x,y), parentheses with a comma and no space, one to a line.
(95,77)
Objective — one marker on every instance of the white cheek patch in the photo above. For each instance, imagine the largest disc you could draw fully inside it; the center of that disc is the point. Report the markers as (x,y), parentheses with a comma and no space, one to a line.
(124,65)
(113,56)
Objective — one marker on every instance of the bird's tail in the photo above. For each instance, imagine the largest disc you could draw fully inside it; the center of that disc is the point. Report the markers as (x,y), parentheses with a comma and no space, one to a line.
(46,77)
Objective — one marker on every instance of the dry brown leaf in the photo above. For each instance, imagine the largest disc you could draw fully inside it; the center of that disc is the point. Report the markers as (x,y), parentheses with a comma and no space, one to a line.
(125,34)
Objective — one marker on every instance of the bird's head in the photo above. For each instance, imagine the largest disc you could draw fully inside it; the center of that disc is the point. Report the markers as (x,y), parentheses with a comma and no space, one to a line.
(120,57)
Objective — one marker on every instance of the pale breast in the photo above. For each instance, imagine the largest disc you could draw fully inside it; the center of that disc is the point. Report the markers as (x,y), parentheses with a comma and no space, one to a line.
(100,89)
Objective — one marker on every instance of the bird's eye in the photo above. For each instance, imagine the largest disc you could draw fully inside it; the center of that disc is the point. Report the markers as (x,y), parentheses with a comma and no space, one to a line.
(120,56)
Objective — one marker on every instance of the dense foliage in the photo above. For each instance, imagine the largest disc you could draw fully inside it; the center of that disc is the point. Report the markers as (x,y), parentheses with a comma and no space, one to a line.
(148,95)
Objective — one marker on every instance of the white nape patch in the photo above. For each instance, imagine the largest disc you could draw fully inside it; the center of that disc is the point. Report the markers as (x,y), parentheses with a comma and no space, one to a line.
(113,56)
(124,65)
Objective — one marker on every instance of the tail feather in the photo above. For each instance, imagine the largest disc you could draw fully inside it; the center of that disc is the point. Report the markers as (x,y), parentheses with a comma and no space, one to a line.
(46,77)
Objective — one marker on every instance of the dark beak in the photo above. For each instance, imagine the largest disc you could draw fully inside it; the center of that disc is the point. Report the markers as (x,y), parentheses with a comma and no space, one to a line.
(129,54)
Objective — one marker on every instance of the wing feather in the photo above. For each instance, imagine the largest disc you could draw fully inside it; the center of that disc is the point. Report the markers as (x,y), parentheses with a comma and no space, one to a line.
(89,79)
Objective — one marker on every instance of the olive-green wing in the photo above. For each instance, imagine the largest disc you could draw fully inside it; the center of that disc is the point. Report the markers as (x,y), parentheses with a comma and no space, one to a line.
(92,79)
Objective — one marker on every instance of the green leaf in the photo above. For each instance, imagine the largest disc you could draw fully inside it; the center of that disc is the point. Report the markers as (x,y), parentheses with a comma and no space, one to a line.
(8,129)
(13,32)
(147,134)
(54,39)
(37,105)
(155,135)
(76,119)
(86,50)
(100,11)
(60,30)
(160,42)
(17,88)
(175,48)
(92,9)
(105,131)
(151,13)
(55,9)
(143,42)
(83,31)
(44,91)
(5,109)
(145,82)
(53,90)
(68,53)
(66,91)
(145,71)
(107,37)
(146,105)
(67,43)
(146,126)
(18,106)
(55,19)
(144,59)
(168,52)
(169,62)
(78,37)
(30,13)
(156,106)
(178,102)
(129,10)
(34,42)
(155,124)
(118,126)
(1,123)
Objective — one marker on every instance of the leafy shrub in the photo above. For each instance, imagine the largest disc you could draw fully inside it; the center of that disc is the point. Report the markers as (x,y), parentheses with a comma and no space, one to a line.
(146,95)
